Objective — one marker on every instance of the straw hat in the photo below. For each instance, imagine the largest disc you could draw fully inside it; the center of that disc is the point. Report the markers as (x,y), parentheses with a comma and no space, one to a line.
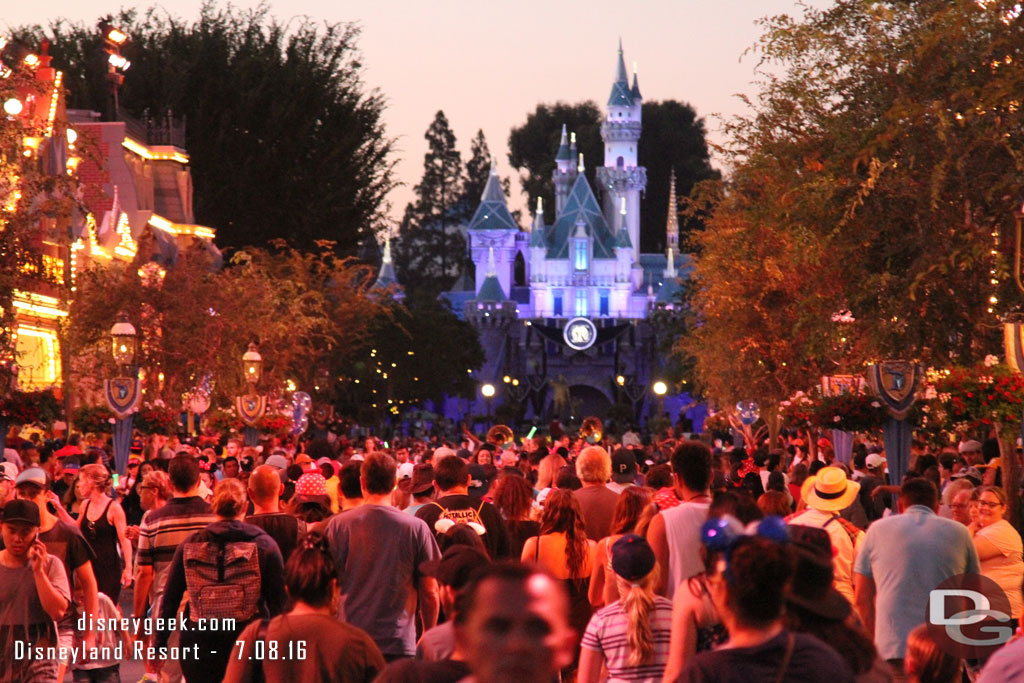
(830,490)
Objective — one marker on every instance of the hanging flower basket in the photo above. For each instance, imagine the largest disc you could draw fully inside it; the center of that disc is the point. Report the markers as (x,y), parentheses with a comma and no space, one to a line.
(797,412)
(94,419)
(849,412)
(978,396)
(29,407)
(156,419)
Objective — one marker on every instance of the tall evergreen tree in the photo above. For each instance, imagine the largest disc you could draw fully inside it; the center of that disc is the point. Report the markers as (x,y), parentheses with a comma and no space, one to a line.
(430,254)
(478,169)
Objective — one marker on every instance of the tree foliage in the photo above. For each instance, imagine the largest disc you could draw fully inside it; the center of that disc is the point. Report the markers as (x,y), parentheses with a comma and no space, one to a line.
(478,170)
(533,145)
(877,174)
(673,137)
(420,354)
(284,138)
(308,312)
(432,251)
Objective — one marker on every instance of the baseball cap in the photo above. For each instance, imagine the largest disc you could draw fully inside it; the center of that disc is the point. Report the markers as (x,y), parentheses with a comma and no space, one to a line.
(303,459)
(32,475)
(277,461)
(632,557)
(824,443)
(623,466)
(24,511)
(874,461)
(969,446)
(442,452)
(971,473)
(405,470)
(8,471)
(71,465)
(456,566)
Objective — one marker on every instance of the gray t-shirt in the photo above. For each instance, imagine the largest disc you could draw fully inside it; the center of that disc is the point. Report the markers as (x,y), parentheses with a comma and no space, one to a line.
(378,550)
(19,600)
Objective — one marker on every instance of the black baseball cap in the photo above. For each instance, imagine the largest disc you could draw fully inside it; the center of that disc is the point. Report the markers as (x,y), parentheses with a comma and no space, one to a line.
(23,511)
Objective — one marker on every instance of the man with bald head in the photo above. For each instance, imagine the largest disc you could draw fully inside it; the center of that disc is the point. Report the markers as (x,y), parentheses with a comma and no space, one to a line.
(265,489)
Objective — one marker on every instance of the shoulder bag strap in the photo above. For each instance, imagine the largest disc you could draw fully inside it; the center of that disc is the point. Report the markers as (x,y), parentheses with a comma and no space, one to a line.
(536,551)
(790,644)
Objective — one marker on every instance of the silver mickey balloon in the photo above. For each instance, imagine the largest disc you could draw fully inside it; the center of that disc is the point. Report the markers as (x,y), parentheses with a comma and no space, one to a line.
(301,405)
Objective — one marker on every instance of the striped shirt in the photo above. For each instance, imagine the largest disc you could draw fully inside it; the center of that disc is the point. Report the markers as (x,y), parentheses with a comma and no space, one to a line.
(163,530)
(607,633)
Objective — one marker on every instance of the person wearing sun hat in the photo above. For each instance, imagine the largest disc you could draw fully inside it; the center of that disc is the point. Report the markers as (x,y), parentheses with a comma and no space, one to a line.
(826,494)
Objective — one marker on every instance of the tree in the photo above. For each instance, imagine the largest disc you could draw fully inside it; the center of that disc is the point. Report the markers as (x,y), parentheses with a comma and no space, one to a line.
(284,139)
(478,170)
(429,256)
(887,167)
(421,353)
(308,312)
(532,146)
(673,138)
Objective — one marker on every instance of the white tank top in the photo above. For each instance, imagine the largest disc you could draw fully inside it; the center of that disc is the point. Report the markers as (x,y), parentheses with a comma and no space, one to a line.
(682,529)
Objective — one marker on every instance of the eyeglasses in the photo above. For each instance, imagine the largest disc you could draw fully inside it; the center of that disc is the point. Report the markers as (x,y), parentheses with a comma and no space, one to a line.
(989,504)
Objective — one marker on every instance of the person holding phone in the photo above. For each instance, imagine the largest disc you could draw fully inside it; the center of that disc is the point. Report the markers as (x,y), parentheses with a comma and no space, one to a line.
(33,594)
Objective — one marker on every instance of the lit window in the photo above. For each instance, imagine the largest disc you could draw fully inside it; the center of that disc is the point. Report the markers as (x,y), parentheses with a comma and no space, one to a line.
(581,255)
(581,302)
(603,296)
(558,303)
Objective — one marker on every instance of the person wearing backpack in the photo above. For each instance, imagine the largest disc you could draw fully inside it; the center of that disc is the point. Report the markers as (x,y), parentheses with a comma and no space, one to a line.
(454,506)
(232,571)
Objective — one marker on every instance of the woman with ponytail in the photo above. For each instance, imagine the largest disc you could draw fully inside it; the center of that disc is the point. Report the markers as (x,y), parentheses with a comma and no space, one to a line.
(630,637)
(308,643)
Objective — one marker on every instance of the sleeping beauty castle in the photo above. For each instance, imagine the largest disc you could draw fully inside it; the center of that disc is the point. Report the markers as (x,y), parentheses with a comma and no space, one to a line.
(563,308)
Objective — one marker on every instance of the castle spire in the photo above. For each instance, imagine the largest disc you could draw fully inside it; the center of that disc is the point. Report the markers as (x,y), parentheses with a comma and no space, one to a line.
(387,250)
(635,90)
(620,73)
(581,168)
(563,147)
(492,270)
(672,225)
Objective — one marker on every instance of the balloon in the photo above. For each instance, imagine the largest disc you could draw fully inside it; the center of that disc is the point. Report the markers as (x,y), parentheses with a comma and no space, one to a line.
(749,412)
(301,403)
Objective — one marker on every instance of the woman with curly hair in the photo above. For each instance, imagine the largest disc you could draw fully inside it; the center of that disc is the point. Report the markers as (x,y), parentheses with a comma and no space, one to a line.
(513,497)
(562,547)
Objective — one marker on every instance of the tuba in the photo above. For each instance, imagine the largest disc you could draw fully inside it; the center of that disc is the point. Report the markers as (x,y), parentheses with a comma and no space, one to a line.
(499,435)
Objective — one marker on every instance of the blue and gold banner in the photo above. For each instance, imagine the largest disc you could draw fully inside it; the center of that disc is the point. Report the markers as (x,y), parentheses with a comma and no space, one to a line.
(251,408)
(895,382)
(123,395)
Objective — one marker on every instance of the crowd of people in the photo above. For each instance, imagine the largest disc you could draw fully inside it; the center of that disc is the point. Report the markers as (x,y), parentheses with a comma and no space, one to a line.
(564,557)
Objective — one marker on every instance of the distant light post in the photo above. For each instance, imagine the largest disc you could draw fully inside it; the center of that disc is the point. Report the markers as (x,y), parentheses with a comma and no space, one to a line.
(487,391)
(660,389)
(251,406)
(123,391)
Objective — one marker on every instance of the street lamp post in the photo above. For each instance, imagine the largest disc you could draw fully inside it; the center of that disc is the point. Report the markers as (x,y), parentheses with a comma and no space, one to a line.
(124,391)
(251,406)
(487,391)
(660,389)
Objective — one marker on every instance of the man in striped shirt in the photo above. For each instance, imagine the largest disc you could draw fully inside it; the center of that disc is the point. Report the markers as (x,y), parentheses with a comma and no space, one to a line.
(163,530)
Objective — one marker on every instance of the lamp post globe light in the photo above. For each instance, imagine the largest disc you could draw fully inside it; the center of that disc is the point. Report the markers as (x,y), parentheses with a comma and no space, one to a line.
(123,336)
(252,362)
(487,391)
(660,389)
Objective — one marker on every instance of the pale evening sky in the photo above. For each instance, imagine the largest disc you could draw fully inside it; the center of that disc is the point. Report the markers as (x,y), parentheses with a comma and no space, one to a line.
(487,64)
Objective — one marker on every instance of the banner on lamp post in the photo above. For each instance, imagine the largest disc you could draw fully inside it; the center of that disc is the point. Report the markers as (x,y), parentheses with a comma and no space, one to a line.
(123,395)
(1013,340)
(896,383)
(251,408)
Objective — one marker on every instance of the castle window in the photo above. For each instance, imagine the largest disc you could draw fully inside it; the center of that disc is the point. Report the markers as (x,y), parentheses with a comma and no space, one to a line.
(557,299)
(581,255)
(603,298)
(620,162)
(581,302)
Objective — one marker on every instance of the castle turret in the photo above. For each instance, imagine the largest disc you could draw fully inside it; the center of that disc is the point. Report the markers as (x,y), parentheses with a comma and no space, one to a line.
(564,170)
(621,177)
(671,229)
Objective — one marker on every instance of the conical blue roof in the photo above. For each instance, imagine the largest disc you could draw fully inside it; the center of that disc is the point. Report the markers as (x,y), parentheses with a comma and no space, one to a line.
(669,291)
(491,290)
(635,90)
(563,147)
(538,235)
(386,276)
(493,213)
(621,95)
(623,241)
(580,207)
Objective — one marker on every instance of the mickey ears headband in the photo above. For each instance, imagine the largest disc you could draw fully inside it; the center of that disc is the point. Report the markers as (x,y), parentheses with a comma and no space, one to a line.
(720,534)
